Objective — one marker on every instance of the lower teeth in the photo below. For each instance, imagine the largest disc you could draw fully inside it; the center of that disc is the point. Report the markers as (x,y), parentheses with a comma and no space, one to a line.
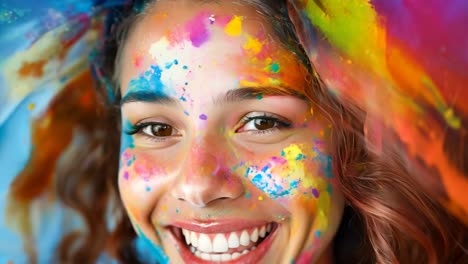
(219,257)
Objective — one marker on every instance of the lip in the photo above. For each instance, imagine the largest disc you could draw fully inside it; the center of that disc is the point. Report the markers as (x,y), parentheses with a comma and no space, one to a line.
(207,227)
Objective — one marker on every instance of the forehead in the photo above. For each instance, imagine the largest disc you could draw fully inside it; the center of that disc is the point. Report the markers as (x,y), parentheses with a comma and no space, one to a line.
(212,38)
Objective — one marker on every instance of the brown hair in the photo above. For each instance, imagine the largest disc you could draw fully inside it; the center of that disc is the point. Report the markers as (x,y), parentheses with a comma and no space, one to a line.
(389,218)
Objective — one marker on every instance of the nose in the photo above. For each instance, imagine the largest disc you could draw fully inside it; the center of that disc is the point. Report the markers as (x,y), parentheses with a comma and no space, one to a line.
(204,178)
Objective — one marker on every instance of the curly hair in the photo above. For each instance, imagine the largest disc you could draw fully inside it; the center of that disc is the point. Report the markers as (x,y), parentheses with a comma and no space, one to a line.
(389,217)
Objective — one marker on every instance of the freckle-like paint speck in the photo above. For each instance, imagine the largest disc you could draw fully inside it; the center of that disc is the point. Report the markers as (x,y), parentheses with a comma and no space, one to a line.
(315,192)
(275,67)
(203,117)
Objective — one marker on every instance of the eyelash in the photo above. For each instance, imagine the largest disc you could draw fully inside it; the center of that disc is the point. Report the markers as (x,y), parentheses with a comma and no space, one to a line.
(281,124)
(137,129)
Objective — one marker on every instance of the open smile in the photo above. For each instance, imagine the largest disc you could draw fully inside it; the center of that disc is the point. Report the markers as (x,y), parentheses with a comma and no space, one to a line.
(219,244)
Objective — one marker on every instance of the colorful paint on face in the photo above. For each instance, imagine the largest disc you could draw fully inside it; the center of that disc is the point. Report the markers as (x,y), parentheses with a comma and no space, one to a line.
(287,175)
(234,27)
(279,175)
(148,82)
(150,252)
(197,29)
(126,141)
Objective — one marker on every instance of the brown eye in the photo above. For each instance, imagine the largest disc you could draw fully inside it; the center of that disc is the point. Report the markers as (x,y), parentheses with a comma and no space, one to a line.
(158,130)
(264,124)
(161,130)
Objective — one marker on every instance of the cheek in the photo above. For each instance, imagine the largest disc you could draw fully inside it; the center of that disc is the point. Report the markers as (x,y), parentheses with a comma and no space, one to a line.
(140,181)
(301,174)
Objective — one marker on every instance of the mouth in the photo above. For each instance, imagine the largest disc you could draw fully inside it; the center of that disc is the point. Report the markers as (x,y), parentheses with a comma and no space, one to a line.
(246,245)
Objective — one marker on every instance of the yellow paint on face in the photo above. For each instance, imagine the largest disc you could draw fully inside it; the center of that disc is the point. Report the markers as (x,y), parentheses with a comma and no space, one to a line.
(253,45)
(234,27)
(291,154)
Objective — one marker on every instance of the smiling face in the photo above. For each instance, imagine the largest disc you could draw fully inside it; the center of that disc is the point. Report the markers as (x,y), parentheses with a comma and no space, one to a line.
(221,156)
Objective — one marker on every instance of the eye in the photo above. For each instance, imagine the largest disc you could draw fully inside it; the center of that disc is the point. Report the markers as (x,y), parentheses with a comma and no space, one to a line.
(262,122)
(158,130)
(154,130)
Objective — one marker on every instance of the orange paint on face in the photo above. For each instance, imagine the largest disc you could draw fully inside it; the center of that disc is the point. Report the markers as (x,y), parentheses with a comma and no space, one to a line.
(263,66)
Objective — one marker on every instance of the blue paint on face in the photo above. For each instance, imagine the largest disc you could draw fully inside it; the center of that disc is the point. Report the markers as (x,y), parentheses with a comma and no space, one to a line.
(126,140)
(329,188)
(325,161)
(149,83)
(148,250)
(129,162)
(318,233)
(328,168)
(263,181)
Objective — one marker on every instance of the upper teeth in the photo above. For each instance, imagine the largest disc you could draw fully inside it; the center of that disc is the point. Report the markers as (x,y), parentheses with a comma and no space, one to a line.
(203,244)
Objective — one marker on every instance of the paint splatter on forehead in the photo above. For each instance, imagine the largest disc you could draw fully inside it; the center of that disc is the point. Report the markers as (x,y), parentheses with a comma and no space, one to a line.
(263,62)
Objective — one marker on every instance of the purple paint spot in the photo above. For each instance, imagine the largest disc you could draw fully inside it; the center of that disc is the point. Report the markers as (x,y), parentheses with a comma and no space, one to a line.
(126,175)
(198,33)
(203,117)
(315,192)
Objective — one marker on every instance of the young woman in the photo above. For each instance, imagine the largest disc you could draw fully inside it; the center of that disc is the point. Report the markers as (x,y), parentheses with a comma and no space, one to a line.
(231,150)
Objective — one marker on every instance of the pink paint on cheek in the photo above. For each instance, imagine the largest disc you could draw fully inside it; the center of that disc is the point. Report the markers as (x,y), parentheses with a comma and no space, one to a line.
(138,61)
(197,29)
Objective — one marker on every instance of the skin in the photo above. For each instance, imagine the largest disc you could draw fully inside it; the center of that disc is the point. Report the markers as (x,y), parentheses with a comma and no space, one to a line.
(206,168)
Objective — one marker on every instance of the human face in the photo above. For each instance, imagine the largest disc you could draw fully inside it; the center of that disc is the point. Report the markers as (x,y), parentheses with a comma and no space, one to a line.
(220,154)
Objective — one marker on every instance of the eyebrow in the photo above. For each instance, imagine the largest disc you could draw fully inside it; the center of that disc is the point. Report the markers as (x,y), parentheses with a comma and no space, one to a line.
(147,97)
(249,93)
(231,96)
